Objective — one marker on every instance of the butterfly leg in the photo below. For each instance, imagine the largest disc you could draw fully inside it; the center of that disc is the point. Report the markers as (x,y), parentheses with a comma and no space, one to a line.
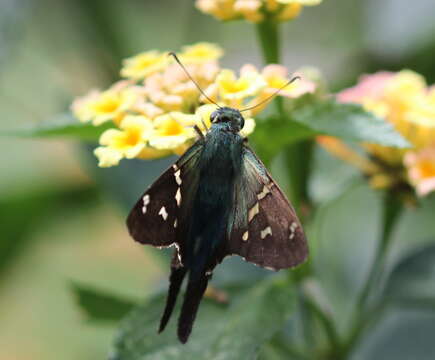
(203,124)
(199,132)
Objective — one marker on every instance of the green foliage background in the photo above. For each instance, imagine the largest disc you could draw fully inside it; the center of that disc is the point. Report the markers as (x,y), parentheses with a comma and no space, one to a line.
(68,270)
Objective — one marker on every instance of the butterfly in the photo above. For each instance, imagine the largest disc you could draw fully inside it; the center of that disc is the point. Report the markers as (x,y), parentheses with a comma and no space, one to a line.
(217,200)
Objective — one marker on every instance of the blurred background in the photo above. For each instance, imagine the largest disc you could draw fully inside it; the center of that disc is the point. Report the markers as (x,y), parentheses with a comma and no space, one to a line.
(62,219)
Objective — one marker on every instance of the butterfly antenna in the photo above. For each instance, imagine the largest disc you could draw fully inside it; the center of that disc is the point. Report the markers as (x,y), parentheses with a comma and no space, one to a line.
(191,78)
(273,95)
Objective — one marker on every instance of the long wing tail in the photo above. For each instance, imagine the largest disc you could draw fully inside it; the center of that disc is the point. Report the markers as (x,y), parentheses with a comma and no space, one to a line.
(194,293)
(175,281)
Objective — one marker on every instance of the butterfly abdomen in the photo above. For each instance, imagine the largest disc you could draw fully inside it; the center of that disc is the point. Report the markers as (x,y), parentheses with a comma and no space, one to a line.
(219,165)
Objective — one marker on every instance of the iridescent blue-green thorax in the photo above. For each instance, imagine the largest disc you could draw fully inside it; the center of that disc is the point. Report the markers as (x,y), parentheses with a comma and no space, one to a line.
(219,166)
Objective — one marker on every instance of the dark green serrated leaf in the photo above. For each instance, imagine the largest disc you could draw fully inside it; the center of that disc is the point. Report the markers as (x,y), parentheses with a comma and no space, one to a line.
(226,333)
(412,280)
(346,121)
(61,126)
(101,306)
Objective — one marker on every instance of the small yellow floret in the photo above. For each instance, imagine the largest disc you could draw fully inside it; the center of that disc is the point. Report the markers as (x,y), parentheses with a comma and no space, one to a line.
(220,9)
(170,133)
(200,53)
(144,64)
(100,107)
(128,142)
(421,170)
(250,10)
(82,106)
(107,157)
(230,87)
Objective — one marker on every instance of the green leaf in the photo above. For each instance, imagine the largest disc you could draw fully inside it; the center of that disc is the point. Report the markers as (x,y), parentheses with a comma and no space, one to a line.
(412,280)
(61,126)
(101,306)
(274,134)
(347,121)
(226,333)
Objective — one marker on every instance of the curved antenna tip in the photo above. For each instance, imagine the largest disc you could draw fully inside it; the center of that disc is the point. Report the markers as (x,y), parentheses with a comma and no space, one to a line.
(174,55)
(294,78)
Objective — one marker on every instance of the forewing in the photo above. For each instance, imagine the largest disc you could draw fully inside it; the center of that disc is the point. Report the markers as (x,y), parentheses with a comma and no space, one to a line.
(158,214)
(265,229)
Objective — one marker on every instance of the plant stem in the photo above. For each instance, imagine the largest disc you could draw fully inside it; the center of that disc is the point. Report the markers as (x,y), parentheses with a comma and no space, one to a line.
(269,36)
(298,156)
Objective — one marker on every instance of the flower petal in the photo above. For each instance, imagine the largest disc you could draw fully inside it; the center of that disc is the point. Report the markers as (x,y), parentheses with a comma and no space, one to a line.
(107,157)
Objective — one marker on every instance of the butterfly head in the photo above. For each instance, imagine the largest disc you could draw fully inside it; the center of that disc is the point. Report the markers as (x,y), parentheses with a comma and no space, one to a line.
(232,117)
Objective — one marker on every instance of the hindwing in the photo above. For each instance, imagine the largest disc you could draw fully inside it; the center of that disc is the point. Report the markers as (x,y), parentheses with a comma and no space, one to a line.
(265,229)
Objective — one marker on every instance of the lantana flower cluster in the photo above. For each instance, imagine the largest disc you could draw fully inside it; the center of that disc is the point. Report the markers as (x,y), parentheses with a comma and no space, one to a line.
(404,100)
(155,107)
(254,11)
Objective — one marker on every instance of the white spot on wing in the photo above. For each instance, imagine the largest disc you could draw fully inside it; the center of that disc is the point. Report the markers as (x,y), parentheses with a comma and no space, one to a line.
(270,268)
(175,223)
(263,193)
(175,167)
(253,211)
(164,213)
(146,201)
(178,177)
(178,196)
(245,236)
(293,227)
(265,232)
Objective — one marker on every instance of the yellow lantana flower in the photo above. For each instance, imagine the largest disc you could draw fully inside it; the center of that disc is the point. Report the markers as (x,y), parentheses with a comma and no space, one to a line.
(82,106)
(144,64)
(156,116)
(275,77)
(254,10)
(403,99)
(169,133)
(232,88)
(100,107)
(128,142)
(200,53)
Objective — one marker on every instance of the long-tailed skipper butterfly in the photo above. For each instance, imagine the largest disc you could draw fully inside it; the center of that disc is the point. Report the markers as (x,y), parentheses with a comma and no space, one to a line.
(217,200)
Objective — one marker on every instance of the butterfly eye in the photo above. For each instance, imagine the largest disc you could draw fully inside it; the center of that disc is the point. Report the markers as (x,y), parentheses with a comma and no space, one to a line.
(242,122)
(213,116)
